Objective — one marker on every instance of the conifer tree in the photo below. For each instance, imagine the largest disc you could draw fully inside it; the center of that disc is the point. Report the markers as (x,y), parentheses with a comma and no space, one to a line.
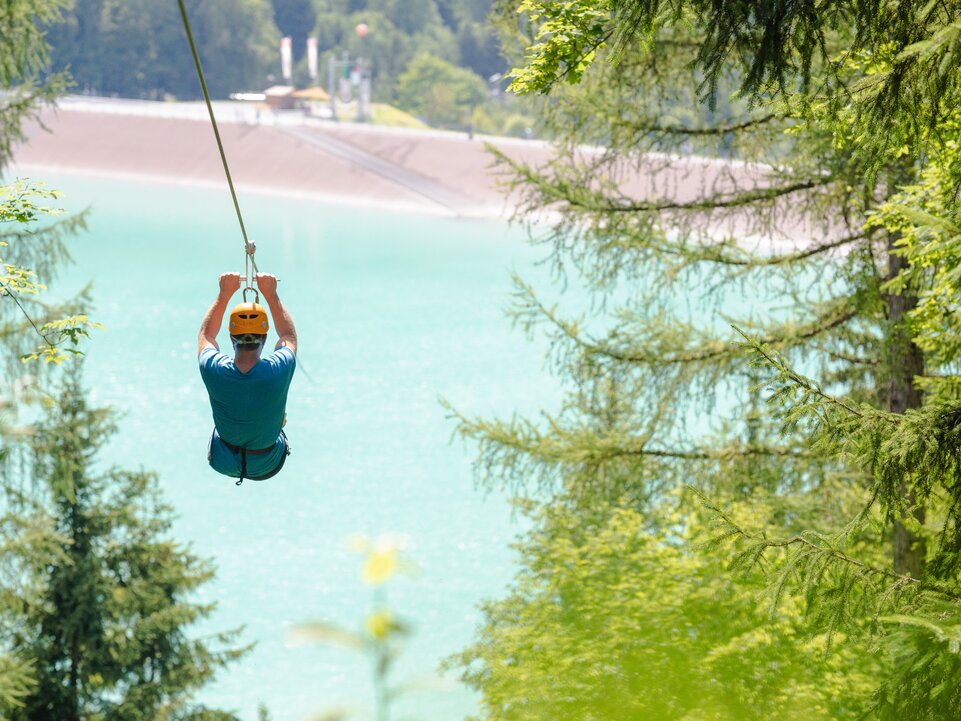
(900,102)
(737,201)
(25,84)
(32,247)
(108,633)
(31,251)
(908,456)
(906,53)
(776,210)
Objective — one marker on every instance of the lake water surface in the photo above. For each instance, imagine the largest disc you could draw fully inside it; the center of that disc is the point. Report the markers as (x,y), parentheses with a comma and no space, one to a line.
(394,311)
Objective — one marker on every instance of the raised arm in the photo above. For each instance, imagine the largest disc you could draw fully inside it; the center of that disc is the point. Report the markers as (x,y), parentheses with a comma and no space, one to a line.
(283,323)
(210,326)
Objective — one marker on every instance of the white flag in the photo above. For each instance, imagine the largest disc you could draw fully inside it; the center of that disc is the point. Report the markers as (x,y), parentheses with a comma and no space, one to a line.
(312,58)
(286,59)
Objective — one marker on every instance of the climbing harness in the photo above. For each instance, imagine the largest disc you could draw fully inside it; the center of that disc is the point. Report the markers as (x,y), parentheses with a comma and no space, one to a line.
(244,452)
(249,246)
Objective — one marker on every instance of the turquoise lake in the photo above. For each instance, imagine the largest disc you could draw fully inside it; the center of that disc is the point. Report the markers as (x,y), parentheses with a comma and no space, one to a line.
(394,311)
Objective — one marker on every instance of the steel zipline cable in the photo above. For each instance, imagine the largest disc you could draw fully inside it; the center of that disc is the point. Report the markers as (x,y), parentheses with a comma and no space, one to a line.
(249,247)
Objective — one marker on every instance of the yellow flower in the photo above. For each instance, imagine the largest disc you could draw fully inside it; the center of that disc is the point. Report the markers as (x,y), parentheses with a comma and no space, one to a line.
(380,565)
(379,624)
(383,557)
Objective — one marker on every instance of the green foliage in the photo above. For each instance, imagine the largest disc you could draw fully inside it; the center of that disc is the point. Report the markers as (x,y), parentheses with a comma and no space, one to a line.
(71,329)
(395,36)
(411,16)
(913,459)
(25,83)
(439,92)
(791,51)
(108,634)
(25,249)
(20,206)
(295,19)
(240,44)
(385,49)
(27,543)
(517,126)
(16,682)
(479,49)
(819,218)
(927,662)
(566,40)
(926,218)
(138,49)
(390,116)
(612,618)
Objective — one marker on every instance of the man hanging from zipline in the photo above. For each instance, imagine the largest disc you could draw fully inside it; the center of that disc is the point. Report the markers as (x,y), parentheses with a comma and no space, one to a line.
(248,394)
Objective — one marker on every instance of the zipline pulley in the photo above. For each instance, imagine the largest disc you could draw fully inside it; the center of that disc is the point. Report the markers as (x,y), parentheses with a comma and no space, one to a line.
(250,267)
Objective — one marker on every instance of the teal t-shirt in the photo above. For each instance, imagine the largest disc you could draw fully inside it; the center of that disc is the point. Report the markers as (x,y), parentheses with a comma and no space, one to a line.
(248,408)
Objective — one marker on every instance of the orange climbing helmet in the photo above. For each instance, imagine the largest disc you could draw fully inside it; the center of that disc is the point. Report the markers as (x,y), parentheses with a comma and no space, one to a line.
(248,318)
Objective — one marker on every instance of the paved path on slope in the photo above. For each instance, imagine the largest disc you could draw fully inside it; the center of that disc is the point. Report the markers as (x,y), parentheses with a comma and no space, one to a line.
(413,181)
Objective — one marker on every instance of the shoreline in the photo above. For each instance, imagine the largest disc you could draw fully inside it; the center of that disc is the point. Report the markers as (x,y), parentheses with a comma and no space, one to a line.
(429,172)
(36,171)
(413,171)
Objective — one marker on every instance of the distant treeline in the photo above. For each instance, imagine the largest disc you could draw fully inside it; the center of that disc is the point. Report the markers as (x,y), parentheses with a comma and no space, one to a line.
(137,48)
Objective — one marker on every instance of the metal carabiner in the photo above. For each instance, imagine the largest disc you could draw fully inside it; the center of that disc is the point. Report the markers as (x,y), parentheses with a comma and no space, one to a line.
(256,294)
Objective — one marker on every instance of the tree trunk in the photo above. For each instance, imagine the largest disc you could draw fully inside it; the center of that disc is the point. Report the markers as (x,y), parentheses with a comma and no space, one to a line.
(77,550)
(905,361)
